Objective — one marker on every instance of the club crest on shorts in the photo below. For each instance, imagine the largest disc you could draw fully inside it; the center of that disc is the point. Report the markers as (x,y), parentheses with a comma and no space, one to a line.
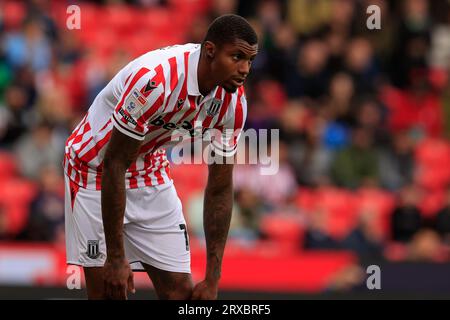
(93,249)
(214,107)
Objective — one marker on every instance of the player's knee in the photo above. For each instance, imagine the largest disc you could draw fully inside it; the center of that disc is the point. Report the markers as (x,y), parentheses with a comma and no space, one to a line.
(96,296)
(95,292)
(182,292)
(94,283)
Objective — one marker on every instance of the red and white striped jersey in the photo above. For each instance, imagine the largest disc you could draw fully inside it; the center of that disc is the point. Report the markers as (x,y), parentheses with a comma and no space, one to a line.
(147,100)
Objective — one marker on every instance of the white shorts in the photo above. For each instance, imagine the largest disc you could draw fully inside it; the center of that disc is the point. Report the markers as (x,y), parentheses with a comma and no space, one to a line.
(154,229)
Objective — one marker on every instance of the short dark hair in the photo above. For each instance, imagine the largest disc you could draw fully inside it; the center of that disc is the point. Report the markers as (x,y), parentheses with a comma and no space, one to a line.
(230,27)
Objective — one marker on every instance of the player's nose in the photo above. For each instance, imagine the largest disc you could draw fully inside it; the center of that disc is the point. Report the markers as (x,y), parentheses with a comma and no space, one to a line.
(244,68)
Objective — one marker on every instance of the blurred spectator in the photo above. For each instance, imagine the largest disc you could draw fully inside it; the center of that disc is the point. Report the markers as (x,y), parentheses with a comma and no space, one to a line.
(412,43)
(4,234)
(283,52)
(426,246)
(365,239)
(268,101)
(309,158)
(292,121)
(342,16)
(46,220)
(249,209)
(417,108)
(442,220)
(356,165)
(69,51)
(349,278)
(370,115)
(307,17)
(13,116)
(316,236)
(30,47)
(337,110)
(220,7)
(38,149)
(276,190)
(196,33)
(396,162)
(382,40)
(25,78)
(360,63)
(310,77)
(440,43)
(39,10)
(406,219)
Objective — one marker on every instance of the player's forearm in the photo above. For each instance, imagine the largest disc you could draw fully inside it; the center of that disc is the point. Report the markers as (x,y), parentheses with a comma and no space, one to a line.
(113,208)
(217,216)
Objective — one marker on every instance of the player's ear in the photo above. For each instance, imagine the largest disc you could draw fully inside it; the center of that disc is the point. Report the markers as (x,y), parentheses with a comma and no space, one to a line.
(210,49)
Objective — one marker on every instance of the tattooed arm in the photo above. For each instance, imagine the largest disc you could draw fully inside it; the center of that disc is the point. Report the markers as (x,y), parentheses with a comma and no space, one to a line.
(120,153)
(216,223)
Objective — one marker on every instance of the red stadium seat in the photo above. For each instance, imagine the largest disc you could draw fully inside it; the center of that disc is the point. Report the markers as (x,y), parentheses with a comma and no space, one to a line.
(8,166)
(15,197)
(190,7)
(284,229)
(380,203)
(16,191)
(433,157)
(341,209)
(306,200)
(13,13)
(188,179)
(432,201)
(120,18)
(157,20)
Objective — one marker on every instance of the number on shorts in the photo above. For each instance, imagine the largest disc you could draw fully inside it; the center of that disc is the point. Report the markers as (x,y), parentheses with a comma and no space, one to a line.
(183,227)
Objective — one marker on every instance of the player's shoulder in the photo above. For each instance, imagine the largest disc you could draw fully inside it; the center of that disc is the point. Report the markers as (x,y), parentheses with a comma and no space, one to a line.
(156,63)
(177,48)
(158,56)
(161,60)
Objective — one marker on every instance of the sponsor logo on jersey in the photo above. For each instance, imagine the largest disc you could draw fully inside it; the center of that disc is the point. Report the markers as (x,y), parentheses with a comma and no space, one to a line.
(149,87)
(127,117)
(134,102)
(180,103)
(139,97)
(185,125)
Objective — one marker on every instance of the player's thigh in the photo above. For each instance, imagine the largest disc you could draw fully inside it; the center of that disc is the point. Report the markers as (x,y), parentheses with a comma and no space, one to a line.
(155,233)
(94,283)
(170,285)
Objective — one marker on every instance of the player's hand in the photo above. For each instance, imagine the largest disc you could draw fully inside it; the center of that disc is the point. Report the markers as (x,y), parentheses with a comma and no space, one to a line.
(205,290)
(118,279)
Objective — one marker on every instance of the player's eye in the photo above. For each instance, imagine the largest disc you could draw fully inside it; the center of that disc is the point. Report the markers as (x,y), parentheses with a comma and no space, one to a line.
(236,57)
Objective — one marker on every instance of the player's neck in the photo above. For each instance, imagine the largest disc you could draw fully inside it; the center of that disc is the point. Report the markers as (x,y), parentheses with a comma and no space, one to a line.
(206,82)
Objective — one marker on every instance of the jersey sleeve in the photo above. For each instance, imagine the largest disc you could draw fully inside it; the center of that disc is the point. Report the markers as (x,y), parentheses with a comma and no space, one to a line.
(230,131)
(142,98)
